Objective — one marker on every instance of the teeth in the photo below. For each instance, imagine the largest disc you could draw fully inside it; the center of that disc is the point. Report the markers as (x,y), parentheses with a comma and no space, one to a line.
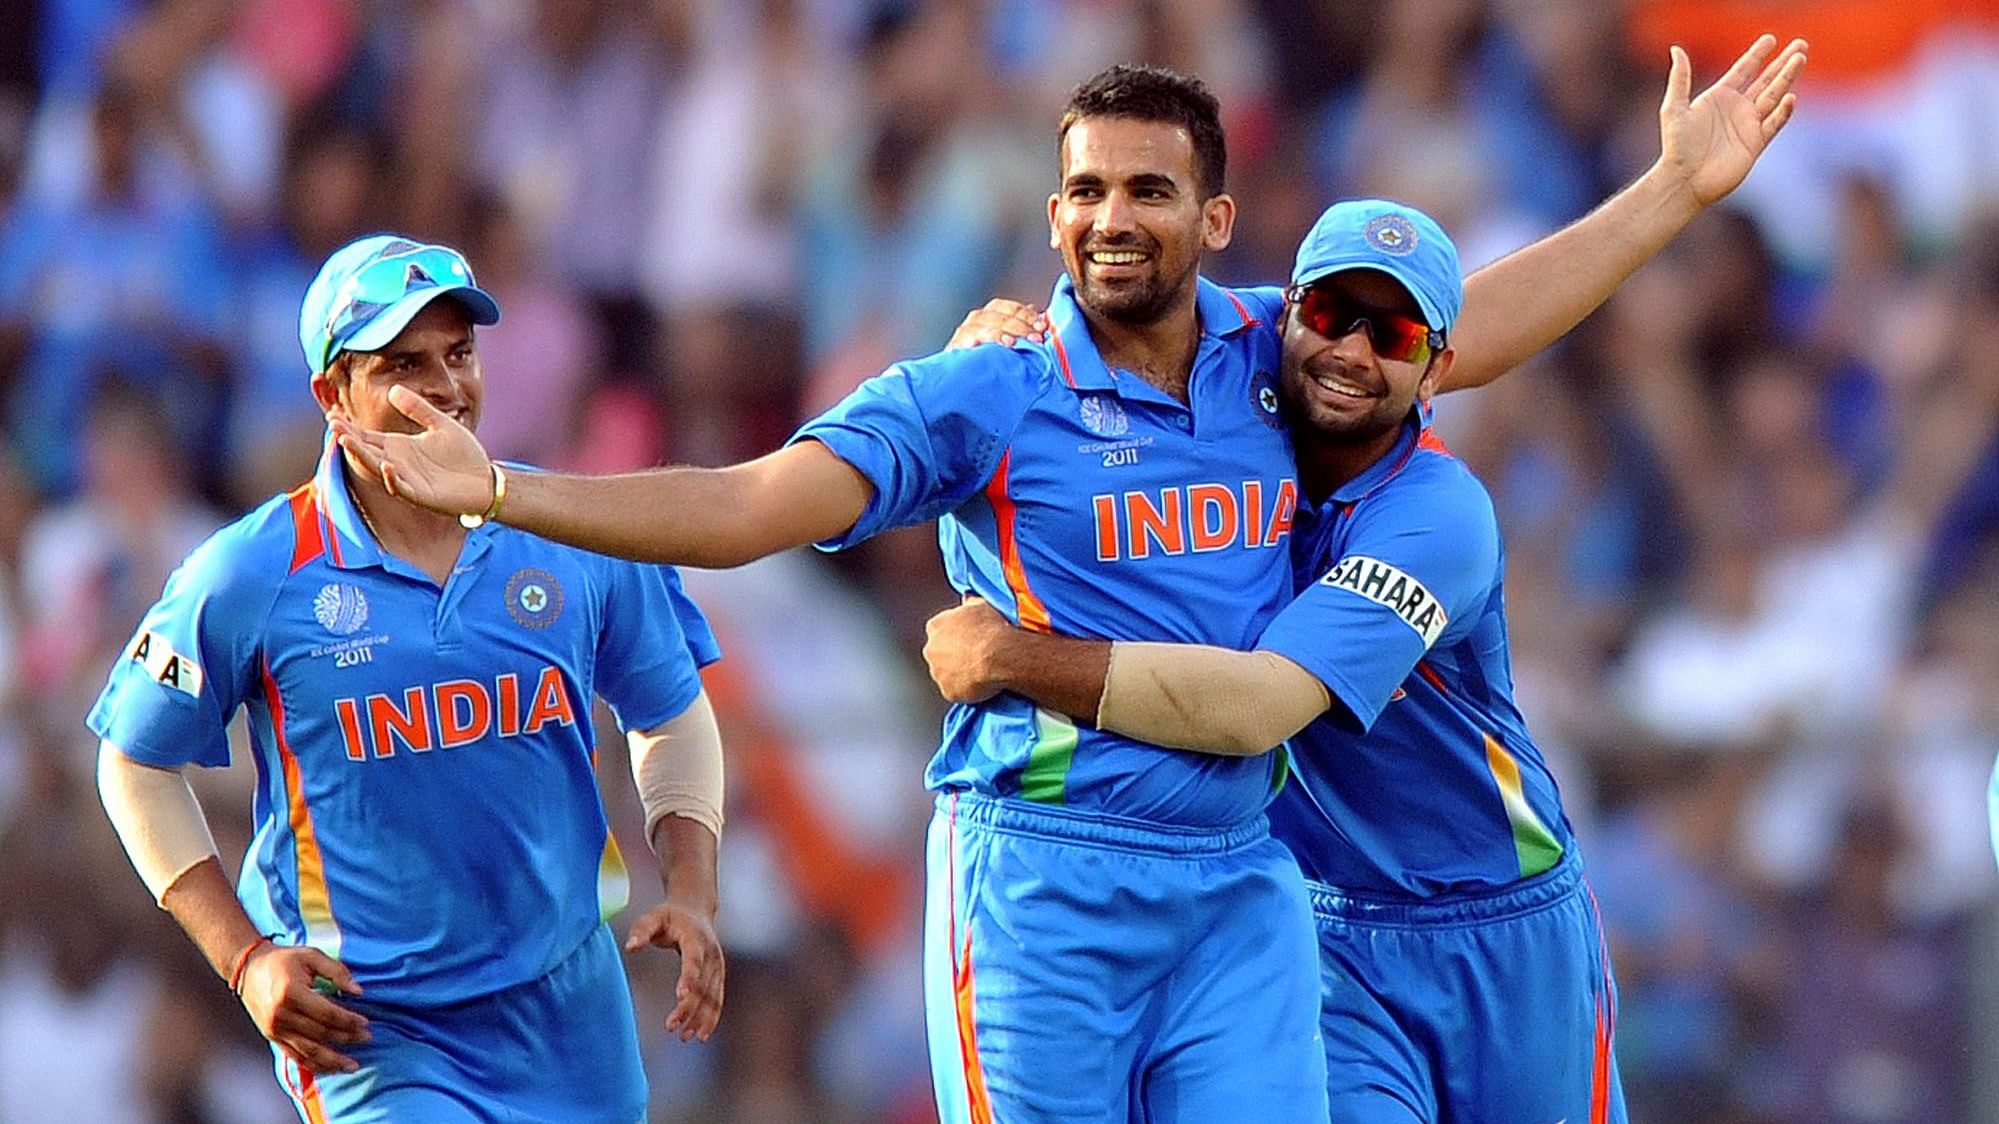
(1339,387)
(1117,257)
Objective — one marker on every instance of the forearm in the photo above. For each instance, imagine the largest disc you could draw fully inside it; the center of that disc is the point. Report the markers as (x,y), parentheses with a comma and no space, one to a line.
(205,905)
(1530,298)
(687,863)
(1060,673)
(1214,700)
(714,517)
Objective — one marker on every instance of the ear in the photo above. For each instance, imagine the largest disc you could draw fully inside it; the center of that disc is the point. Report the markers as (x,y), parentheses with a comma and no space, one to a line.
(1440,368)
(1054,233)
(325,393)
(1217,223)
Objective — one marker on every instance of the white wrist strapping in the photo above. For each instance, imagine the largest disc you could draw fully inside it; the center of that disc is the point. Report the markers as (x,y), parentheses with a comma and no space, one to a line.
(156,816)
(677,767)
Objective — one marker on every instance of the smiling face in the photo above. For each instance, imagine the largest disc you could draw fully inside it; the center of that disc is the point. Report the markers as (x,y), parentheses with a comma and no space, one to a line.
(1342,390)
(433,356)
(1129,218)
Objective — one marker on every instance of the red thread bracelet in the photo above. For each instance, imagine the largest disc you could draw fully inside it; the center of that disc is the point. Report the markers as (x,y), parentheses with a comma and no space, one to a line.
(243,962)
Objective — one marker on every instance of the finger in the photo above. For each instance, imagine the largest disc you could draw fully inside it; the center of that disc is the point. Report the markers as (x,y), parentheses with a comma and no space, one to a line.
(324,965)
(1679,82)
(1774,124)
(1749,63)
(644,932)
(1781,84)
(316,1057)
(1795,49)
(969,600)
(312,1014)
(389,479)
(417,409)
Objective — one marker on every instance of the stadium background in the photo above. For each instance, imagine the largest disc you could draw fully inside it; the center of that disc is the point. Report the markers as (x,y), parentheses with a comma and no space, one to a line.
(1755,575)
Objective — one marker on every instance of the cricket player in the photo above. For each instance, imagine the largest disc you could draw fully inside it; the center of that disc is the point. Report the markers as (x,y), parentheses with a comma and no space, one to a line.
(1464,970)
(419,928)
(1111,934)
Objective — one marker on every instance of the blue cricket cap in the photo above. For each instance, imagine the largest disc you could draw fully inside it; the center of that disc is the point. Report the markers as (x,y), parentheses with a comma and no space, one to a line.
(371,288)
(1400,241)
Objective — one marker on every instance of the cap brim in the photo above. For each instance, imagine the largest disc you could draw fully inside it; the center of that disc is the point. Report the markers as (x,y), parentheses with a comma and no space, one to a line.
(384,328)
(1432,315)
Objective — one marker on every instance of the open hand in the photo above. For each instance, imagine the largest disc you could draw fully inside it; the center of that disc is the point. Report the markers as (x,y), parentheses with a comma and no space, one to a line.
(958,649)
(1712,141)
(441,467)
(1001,321)
(301,1022)
(697,1005)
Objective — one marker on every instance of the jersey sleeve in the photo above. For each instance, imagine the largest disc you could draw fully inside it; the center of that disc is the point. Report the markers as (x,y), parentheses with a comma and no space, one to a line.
(701,642)
(193,661)
(927,433)
(1418,559)
(645,667)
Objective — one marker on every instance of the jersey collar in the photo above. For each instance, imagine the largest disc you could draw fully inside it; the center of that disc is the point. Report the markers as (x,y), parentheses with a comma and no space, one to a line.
(1079,362)
(352,545)
(1414,427)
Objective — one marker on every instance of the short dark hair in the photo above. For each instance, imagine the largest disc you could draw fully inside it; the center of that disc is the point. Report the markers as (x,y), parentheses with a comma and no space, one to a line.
(1154,93)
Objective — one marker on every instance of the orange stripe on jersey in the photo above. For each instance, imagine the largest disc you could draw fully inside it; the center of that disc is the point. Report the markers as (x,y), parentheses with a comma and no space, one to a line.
(1032,613)
(309,1098)
(307,541)
(1431,677)
(1242,310)
(1599,1069)
(978,1104)
(314,907)
(1062,357)
(1428,439)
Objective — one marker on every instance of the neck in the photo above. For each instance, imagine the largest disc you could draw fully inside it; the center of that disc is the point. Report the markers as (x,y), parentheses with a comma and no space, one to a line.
(1160,352)
(403,529)
(1326,464)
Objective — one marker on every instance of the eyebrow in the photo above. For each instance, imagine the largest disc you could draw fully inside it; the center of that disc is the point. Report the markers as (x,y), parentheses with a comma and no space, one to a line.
(1142,179)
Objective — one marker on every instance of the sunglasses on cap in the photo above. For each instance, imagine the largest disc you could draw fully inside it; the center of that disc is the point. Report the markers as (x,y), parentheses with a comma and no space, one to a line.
(402,269)
(1394,335)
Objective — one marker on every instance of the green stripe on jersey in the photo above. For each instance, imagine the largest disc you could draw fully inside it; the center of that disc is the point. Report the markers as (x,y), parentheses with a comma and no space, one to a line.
(1046,778)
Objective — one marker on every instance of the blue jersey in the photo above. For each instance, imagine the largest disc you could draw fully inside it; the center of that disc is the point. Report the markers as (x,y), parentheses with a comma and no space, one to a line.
(1085,501)
(1422,780)
(427,809)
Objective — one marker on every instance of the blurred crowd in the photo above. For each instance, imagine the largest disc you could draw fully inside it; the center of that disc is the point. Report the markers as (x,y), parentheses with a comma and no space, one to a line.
(1752,507)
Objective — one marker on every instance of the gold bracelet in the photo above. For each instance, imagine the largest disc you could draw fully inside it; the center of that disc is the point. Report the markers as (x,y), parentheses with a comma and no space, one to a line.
(473,522)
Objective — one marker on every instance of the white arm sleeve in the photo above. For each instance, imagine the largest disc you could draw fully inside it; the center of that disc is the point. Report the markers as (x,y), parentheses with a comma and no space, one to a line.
(156,816)
(677,767)
(1215,700)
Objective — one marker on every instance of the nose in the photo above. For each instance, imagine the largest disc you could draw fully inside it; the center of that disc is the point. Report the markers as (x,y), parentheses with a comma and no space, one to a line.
(1114,215)
(1355,345)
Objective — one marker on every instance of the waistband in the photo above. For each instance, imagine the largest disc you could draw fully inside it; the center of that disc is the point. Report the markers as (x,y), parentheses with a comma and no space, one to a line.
(1561,881)
(1051,821)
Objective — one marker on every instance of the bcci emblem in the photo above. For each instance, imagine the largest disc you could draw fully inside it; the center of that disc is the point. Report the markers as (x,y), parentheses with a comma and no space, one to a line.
(340,608)
(1263,392)
(534,598)
(1391,234)
(1103,416)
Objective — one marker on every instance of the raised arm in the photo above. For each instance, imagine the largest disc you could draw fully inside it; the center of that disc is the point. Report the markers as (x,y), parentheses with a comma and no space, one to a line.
(1525,301)
(690,516)
(1182,696)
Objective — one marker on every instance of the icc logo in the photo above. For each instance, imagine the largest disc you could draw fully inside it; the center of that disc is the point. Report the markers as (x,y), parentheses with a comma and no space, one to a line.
(340,608)
(1103,416)
(534,598)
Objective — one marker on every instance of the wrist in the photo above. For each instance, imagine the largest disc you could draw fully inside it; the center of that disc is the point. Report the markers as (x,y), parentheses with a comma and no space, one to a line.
(241,963)
(1666,189)
(492,512)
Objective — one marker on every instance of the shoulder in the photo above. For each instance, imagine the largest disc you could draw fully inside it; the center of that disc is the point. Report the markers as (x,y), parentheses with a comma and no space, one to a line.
(255,552)
(1435,491)
(1263,303)
(1023,365)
